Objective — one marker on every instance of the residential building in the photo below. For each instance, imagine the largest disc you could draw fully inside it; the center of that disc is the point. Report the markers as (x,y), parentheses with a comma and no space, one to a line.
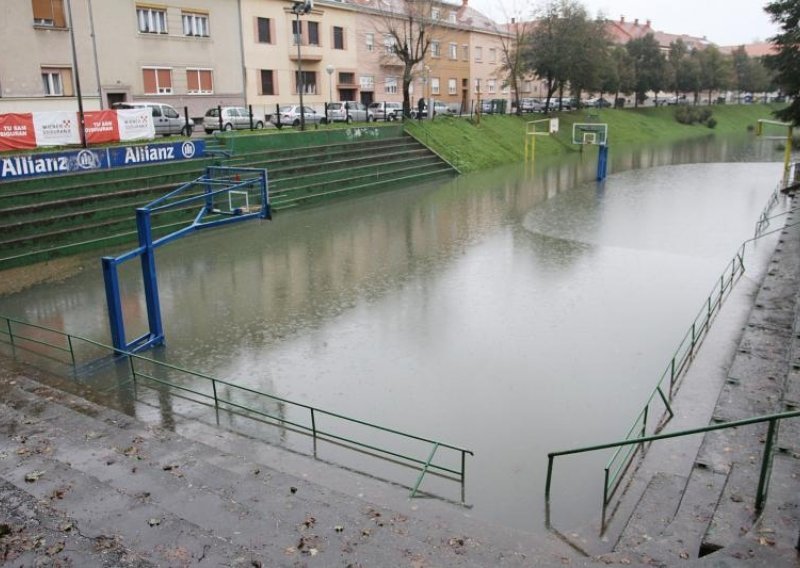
(182,53)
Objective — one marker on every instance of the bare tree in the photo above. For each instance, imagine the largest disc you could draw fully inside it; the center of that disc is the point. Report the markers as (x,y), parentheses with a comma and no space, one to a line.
(408,29)
(514,35)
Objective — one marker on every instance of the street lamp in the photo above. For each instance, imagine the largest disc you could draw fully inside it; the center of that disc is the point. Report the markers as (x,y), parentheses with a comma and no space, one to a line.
(330,69)
(301,8)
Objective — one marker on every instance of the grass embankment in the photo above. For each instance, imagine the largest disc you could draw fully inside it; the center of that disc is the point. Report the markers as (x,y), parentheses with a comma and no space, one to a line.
(500,139)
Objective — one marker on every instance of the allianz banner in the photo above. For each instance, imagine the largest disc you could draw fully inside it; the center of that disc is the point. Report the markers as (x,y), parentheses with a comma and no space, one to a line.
(54,163)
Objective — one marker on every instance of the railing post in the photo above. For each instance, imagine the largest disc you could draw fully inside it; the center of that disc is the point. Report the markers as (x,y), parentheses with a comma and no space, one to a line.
(314,431)
(766,466)
(71,351)
(214,386)
(605,486)
(10,334)
(644,420)
(549,477)
(694,338)
(671,374)
(463,477)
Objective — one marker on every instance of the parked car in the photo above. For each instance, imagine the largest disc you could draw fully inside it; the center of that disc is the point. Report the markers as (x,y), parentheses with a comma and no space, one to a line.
(438,108)
(289,115)
(386,111)
(166,119)
(597,102)
(349,111)
(233,118)
(531,105)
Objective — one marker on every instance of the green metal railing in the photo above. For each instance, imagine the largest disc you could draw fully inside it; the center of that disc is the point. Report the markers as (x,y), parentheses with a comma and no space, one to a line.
(665,387)
(766,459)
(414,129)
(144,370)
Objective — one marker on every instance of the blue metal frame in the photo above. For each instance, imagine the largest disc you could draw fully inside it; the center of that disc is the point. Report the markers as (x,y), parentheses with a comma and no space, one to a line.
(226,179)
(602,162)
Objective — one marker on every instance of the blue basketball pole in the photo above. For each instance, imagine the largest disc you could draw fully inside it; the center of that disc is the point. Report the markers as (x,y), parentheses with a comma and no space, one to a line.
(149,277)
(602,162)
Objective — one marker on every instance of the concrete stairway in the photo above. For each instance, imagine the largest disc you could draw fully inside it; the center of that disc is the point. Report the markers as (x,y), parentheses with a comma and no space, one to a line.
(713,520)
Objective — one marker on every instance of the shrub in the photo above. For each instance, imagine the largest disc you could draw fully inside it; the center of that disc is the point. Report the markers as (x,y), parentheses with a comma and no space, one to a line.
(711,122)
(684,114)
(704,115)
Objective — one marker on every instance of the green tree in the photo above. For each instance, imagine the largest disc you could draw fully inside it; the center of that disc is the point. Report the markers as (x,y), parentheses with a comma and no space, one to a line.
(648,66)
(715,70)
(678,70)
(513,40)
(786,62)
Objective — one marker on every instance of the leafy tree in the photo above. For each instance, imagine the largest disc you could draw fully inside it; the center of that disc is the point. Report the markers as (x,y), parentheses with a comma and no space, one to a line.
(648,66)
(619,77)
(786,62)
(677,69)
(715,70)
(512,47)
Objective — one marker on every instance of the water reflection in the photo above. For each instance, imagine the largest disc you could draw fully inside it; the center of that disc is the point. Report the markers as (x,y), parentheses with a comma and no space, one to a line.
(510,312)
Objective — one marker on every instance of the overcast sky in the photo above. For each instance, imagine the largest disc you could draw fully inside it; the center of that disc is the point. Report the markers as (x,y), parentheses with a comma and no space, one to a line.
(724,22)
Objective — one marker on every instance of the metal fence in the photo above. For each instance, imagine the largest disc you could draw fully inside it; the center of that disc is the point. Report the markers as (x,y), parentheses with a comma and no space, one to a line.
(199,388)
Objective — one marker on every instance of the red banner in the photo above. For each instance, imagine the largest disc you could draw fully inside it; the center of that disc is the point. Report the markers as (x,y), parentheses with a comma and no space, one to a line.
(101,126)
(16,132)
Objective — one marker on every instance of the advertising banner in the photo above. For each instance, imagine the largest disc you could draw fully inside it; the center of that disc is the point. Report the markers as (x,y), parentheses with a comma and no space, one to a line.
(56,128)
(16,132)
(101,126)
(135,124)
(31,165)
(150,153)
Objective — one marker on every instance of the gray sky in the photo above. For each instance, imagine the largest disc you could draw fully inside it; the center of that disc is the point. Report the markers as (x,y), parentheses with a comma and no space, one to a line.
(725,22)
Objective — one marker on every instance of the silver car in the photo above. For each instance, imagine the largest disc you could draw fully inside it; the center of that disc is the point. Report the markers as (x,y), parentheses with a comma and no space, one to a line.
(233,118)
(386,111)
(166,119)
(289,115)
(349,111)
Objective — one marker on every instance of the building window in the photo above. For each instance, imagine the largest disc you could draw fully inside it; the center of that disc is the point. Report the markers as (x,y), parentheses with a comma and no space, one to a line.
(434,85)
(370,40)
(49,13)
(152,20)
(506,88)
(338,37)
(454,51)
(527,87)
(477,85)
(57,82)
(435,13)
(347,78)
(391,85)
(452,86)
(367,82)
(199,82)
(157,81)
(297,32)
(452,18)
(195,25)
(492,55)
(436,50)
(389,44)
(267,82)
(465,50)
(309,82)
(264,30)
(478,54)
(313,33)
(491,85)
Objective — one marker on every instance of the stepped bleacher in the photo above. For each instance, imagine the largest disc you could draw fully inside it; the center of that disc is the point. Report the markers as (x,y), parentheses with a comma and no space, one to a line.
(65,214)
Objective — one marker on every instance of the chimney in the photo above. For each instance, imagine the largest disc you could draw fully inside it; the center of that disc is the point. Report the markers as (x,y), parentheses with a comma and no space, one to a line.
(622,19)
(647,25)
(636,22)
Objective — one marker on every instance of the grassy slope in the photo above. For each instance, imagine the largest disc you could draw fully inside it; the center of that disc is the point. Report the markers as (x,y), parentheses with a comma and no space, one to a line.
(500,139)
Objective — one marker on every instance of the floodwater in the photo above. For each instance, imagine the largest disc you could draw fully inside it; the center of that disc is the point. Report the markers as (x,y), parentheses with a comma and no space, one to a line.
(509,312)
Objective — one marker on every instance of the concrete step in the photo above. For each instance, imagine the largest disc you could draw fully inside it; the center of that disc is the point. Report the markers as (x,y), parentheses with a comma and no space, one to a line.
(120,474)
(650,517)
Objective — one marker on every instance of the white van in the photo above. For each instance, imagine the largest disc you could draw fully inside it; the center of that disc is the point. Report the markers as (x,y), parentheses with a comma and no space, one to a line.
(166,119)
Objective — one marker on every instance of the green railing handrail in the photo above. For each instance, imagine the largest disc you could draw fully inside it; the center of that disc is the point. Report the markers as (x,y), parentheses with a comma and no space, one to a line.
(425,465)
(683,354)
(766,463)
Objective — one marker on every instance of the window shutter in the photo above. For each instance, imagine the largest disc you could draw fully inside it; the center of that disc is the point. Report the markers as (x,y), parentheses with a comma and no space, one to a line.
(164,79)
(59,20)
(206,82)
(192,81)
(149,76)
(42,10)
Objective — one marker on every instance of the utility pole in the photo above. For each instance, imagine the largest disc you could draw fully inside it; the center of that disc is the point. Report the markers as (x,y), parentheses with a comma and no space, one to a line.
(81,117)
